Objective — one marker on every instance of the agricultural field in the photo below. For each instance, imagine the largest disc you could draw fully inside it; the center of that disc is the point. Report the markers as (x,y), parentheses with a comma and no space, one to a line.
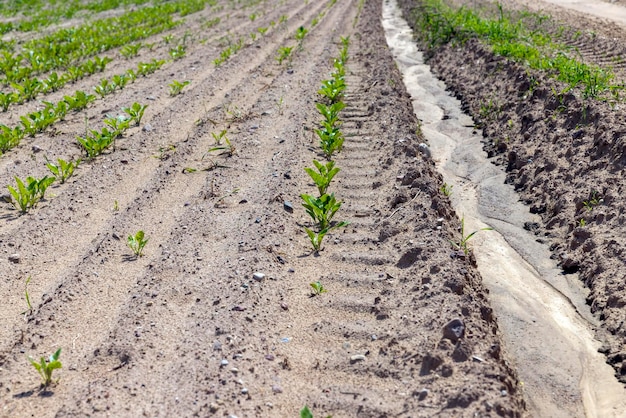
(226,208)
(220,208)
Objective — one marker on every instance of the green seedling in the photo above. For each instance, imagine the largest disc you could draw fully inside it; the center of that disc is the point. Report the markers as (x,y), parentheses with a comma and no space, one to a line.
(318,288)
(331,113)
(582,222)
(46,367)
(144,69)
(10,138)
(118,125)
(130,51)
(333,89)
(167,39)
(136,243)
(96,143)
(300,34)
(593,201)
(79,101)
(219,136)
(446,189)
(331,139)
(176,87)
(6,99)
(262,30)
(27,297)
(220,200)
(28,89)
(54,82)
(280,104)
(284,53)
(135,112)
(323,176)
(177,52)
(463,243)
(105,87)
(27,195)
(120,80)
(227,147)
(62,170)
(316,238)
(321,209)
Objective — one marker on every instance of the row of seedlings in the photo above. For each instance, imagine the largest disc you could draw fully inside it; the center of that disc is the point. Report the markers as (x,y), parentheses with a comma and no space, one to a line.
(323,208)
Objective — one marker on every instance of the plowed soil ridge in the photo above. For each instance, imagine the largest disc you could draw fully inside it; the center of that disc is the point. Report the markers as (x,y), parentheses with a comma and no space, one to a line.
(186,330)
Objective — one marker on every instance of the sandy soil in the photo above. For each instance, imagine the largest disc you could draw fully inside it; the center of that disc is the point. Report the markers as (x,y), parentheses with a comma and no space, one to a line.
(186,330)
(559,156)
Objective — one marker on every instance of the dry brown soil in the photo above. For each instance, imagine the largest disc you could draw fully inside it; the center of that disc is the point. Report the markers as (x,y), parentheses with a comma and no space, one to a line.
(186,330)
(559,152)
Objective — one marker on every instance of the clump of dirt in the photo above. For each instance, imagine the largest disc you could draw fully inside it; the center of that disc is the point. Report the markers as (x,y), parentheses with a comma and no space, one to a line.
(564,155)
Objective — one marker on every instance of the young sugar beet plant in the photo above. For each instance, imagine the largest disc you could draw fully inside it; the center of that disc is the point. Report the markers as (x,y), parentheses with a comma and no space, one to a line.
(27,194)
(46,367)
(321,210)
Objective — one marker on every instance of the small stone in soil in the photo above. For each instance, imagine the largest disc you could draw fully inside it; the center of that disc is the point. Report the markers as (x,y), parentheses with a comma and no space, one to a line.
(277,389)
(357,357)
(288,206)
(14,258)
(244,391)
(422,394)
(224,363)
(284,306)
(454,330)
(269,357)
(258,276)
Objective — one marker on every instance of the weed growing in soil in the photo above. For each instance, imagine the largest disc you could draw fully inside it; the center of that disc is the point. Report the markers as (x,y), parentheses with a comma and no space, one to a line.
(446,189)
(136,243)
(27,297)
(46,367)
(176,87)
(62,170)
(463,243)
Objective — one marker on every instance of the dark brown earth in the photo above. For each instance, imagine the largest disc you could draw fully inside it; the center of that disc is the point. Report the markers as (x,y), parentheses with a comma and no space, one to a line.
(186,330)
(560,154)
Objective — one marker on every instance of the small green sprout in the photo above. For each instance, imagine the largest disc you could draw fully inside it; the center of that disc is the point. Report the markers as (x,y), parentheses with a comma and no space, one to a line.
(136,243)
(62,170)
(463,243)
(228,147)
(135,112)
(446,189)
(176,87)
(219,136)
(306,413)
(45,368)
(27,297)
(318,288)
